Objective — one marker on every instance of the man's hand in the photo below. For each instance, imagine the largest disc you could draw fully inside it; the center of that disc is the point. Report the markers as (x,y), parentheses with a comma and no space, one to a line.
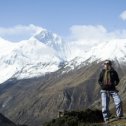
(115,83)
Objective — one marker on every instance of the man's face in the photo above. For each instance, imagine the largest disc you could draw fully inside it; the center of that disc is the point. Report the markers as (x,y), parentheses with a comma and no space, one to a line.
(107,66)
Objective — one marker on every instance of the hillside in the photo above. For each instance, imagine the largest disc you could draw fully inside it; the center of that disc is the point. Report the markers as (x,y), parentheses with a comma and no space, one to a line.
(37,100)
(85,118)
(43,74)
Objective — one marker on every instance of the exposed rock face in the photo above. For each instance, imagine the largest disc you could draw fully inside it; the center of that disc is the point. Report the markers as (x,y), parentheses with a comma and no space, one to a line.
(5,122)
(37,100)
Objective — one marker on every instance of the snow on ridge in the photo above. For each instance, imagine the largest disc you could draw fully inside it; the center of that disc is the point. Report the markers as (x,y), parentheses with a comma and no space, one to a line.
(111,49)
(43,53)
(6,47)
(38,51)
(54,41)
(115,48)
(26,59)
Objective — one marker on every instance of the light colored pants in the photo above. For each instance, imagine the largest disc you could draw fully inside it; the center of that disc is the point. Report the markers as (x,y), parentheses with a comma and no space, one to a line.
(105,96)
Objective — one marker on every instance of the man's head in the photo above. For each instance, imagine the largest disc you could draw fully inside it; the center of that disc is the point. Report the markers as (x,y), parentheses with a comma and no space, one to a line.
(107,64)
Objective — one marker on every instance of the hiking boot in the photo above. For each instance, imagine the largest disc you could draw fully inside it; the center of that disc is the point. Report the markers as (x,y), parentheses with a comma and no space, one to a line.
(106,121)
(120,117)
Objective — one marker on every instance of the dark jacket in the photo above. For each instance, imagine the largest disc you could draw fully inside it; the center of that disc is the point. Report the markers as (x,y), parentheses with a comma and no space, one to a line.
(113,78)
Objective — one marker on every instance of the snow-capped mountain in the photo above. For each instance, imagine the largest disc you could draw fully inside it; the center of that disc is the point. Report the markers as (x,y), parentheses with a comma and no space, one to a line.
(45,51)
(54,41)
(114,50)
(40,54)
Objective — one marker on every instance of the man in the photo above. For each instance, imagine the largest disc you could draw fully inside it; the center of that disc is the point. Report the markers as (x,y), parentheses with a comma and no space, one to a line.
(108,80)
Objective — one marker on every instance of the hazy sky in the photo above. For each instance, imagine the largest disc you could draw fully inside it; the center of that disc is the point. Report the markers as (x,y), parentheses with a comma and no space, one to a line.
(60,16)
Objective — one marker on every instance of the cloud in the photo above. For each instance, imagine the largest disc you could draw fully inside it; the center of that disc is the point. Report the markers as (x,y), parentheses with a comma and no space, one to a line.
(87,31)
(91,32)
(84,37)
(19,32)
(123,15)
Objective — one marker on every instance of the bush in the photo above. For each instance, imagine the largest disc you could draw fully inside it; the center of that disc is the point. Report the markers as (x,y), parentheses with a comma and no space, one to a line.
(75,118)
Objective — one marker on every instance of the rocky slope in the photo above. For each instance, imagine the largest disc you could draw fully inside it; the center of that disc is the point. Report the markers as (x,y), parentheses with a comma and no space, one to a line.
(5,122)
(39,81)
(34,101)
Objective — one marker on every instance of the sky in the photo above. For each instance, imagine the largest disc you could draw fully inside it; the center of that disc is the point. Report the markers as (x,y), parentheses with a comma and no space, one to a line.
(74,19)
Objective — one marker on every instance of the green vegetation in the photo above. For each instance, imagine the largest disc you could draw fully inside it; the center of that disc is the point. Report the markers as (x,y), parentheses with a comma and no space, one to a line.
(81,118)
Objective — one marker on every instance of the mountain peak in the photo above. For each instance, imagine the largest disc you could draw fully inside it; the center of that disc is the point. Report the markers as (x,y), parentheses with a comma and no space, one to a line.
(54,41)
(47,37)
(110,50)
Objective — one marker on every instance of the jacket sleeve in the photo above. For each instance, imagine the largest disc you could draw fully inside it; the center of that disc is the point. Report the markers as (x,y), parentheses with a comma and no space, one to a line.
(116,78)
(100,79)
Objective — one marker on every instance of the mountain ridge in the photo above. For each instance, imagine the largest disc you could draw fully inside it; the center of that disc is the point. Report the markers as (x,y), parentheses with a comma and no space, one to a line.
(29,56)
(40,98)
(45,51)
(68,85)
